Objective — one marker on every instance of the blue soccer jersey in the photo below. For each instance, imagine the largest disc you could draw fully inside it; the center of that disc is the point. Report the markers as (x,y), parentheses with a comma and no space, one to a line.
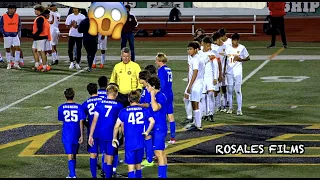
(88,107)
(165,76)
(160,116)
(102,93)
(71,114)
(134,118)
(108,111)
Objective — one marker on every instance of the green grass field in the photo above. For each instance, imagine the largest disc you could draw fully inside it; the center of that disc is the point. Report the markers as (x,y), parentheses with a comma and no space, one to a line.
(274,113)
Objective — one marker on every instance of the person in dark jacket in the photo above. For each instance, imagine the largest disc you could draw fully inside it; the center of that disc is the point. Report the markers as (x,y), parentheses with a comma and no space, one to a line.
(127,32)
(277,12)
(89,42)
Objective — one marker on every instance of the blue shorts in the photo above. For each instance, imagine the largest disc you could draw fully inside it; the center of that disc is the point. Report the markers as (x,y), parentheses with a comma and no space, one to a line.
(94,148)
(159,140)
(170,107)
(134,156)
(106,147)
(70,148)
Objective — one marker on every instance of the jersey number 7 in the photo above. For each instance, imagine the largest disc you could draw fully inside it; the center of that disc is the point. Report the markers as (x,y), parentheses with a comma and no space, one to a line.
(135,118)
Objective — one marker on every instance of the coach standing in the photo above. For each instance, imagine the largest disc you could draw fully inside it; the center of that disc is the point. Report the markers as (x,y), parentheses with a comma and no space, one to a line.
(126,75)
(277,21)
(127,32)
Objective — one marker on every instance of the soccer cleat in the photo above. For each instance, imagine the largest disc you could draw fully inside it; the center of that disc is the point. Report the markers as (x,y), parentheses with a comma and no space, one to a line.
(78,66)
(223,110)
(102,174)
(89,70)
(204,118)
(101,66)
(172,141)
(56,62)
(186,121)
(1,60)
(271,46)
(9,66)
(211,119)
(285,46)
(21,63)
(146,163)
(16,65)
(71,65)
(229,111)
(94,66)
(239,113)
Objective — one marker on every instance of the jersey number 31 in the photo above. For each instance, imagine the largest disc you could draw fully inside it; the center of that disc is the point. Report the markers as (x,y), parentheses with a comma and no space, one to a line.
(136,118)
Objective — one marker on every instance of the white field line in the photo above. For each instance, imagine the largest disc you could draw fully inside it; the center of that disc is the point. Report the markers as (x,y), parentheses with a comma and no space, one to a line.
(41,90)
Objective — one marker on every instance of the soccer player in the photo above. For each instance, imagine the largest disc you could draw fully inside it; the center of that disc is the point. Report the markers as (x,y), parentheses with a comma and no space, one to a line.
(102,45)
(152,69)
(10,25)
(158,104)
(210,79)
(103,83)
(224,38)
(72,116)
(105,117)
(195,84)
(144,102)
(88,107)
(165,76)
(236,55)
(54,20)
(132,119)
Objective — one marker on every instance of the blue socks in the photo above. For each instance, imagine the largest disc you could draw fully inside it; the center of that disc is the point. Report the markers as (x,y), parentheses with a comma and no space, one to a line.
(173,130)
(93,167)
(149,150)
(162,171)
(115,161)
(138,173)
(131,174)
(108,170)
(72,168)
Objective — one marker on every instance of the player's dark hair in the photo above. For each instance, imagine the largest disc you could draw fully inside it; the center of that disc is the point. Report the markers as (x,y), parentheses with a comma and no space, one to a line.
(92,88)
(134,96)
(128,7)
(235,36)
(199,39)
(69,93)
(39,8)
(103,81)
(206,39)
(194,45)
(199,29)
(215,36)
(152,69)
(222,31)
(154,81)
(144,75)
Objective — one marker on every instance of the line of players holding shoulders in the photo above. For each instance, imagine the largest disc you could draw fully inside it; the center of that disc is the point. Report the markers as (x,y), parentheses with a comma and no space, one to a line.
(142,124)
(215,71)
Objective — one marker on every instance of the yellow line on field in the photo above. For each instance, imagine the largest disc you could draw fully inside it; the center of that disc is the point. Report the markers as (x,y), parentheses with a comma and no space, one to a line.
(276,53)
(6,128)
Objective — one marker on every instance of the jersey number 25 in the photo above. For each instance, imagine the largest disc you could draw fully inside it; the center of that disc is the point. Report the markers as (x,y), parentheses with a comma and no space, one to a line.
(136,118)
(71,115)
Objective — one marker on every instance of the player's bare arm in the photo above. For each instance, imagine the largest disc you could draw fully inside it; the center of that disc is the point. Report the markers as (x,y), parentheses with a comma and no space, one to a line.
(92,128)
(151,124)
(81,131)
(237,58)
(115,132)
(220,70)
(193,79)
(154,104)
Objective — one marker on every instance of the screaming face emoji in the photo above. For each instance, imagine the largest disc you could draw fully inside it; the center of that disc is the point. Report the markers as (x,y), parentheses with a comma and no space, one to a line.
(107,18)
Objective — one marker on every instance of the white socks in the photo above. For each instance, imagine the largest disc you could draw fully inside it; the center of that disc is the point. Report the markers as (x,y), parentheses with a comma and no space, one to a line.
(95,59)
(188,107)
(239,96)
(197,117)
(8,57)
(203,105)
(103,58)
(16,57)
(54,56)
(230,95)
(211,100)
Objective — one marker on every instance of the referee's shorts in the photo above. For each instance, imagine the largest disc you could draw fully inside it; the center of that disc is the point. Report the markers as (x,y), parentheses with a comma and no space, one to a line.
(123,98)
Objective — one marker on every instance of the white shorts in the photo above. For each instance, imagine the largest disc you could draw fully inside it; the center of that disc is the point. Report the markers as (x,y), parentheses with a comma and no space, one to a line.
(207,85)
(55,33)
(234,79)
(11,41)
(102,44)
(48,46)
(40,45)
(196,92)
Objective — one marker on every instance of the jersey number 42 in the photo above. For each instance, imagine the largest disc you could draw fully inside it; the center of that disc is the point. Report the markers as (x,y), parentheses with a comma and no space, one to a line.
(136,118)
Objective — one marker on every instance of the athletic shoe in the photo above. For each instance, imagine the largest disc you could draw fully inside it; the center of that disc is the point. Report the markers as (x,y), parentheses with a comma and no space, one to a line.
(71,65)
(9,66)
(101,66)
(94,66)
(78,66)
(89,70)
(16,66)
(172,141)
(186,121)
(56,62)
(239,113)
(21,63)
(229,111)
(146,163)
(285,46)
(271,46)
(211,119)
(223,110)
(102,174)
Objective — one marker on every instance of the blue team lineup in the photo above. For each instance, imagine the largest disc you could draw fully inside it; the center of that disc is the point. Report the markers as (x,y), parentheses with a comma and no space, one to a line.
(134,119)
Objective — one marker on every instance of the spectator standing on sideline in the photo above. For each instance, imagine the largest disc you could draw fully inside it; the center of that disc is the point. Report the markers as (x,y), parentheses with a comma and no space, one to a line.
(89,42)
(127,32)
(126,75)
(73,20)
(277,13)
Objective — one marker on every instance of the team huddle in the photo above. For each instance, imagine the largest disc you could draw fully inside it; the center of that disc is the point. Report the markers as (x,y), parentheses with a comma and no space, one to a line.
(140,127)
(215,71)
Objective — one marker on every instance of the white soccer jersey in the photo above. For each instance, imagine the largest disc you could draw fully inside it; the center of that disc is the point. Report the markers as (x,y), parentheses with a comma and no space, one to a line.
(78,18)
(196,63)
(235,67)
(228,42)
(209,71)
(222,51)
(55,17)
